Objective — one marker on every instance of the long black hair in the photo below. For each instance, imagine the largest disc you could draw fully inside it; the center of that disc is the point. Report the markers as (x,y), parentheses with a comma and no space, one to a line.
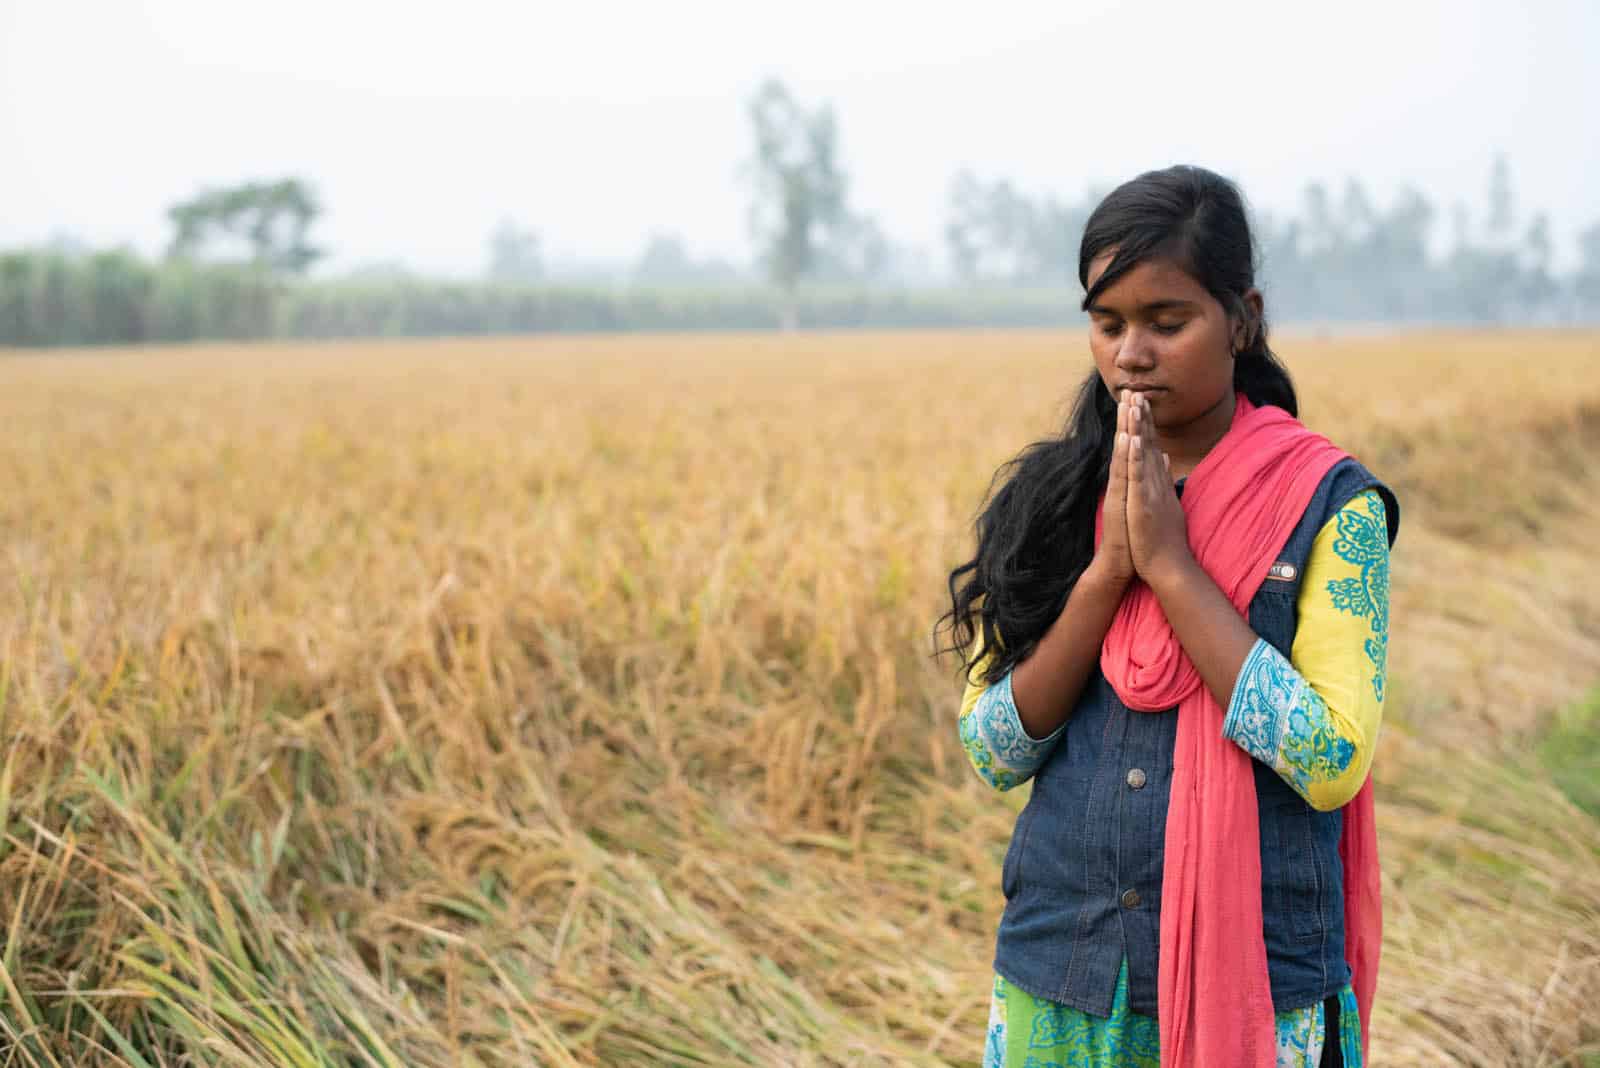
(1036,536)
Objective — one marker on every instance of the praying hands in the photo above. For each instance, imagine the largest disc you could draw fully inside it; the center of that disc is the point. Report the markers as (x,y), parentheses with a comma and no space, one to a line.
(1145,532)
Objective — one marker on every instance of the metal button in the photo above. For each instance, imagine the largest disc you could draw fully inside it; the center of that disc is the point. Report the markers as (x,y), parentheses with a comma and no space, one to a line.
(1130,899)
(1136,778)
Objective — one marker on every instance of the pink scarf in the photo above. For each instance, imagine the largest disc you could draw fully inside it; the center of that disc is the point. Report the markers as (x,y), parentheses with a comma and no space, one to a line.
(1215,1005)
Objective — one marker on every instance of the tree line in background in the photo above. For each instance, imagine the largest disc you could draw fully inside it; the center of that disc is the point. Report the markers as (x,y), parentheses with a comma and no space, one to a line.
(236,267)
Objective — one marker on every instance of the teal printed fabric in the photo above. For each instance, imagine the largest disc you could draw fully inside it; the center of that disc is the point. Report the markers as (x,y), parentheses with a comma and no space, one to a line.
(1282,722)
(1364,542)
(1001,752)
(1025,1031)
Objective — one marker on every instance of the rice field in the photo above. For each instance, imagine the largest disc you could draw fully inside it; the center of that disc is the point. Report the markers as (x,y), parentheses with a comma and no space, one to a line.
(569,701)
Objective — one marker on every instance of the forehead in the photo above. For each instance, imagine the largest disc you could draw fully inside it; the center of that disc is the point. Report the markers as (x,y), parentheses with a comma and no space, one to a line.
(1152,280)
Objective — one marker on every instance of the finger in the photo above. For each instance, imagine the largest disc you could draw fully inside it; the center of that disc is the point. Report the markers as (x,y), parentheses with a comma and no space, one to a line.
(1147,433)
(1151,459)
(1117,487)
(1142,426)
(1119,446)
(1136,458)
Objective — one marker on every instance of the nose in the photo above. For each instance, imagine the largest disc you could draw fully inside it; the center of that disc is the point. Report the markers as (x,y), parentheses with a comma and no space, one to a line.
(1136,352)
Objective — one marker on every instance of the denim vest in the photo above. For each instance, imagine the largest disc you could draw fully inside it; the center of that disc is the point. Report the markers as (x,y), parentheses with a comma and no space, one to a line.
(1082,876)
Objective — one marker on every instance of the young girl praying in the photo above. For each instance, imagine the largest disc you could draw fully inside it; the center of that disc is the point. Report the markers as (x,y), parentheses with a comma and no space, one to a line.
(1176,626)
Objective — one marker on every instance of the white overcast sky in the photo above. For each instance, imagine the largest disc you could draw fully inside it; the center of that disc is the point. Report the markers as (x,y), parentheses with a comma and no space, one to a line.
(596,122)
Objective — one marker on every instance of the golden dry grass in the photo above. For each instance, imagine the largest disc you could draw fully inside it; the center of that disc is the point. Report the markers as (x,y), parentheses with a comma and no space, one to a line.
(568,701)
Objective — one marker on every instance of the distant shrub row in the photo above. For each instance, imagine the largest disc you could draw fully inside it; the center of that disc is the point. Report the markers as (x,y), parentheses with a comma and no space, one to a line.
(49,298)
(116,297)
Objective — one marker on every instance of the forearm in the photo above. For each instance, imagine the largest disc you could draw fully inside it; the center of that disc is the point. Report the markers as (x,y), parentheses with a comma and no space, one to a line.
(1046,686)
(1215,636)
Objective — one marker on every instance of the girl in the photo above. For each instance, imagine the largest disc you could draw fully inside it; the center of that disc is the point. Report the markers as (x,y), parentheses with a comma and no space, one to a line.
(1176,625)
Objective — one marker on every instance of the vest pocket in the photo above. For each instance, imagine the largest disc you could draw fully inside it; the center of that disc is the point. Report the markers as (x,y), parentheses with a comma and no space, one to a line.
(1296,878)
(1011,867)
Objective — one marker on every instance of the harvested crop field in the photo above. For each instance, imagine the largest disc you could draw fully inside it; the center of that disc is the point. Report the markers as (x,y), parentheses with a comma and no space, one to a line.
(569,700)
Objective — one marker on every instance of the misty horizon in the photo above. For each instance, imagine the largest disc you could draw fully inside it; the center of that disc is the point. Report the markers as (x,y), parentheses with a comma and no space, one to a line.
(599,127)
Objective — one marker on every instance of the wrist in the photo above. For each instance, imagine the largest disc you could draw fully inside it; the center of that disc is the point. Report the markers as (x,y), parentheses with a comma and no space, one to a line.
(1104,574)
(1169,575)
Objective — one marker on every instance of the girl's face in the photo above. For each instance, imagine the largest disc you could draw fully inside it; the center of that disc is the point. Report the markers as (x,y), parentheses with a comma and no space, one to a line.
(1159,331)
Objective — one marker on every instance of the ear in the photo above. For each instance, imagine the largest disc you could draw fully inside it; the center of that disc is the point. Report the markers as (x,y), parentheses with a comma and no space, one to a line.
(1248,326)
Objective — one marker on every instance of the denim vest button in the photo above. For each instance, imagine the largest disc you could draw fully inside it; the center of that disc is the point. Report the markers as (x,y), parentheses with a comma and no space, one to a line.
(1136,778)
(1130,899)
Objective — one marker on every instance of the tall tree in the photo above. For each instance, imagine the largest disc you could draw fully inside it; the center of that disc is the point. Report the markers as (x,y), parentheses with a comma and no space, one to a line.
(995,232)
(1404,231)
(1321,229)
(800,190)
(665,259)
(1539,287)
(963,233)
(514,254)
(856,250)
(1358,219)
(1586,279)
(1502,204)
(268,220)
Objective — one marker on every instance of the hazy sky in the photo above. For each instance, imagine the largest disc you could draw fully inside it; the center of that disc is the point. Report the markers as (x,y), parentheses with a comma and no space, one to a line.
(596,122)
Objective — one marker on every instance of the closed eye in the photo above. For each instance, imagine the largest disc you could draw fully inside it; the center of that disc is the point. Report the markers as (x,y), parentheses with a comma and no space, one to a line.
(1113,327)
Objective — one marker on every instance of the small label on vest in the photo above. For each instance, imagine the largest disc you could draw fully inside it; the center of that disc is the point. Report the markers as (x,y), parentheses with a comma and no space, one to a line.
(1282,571)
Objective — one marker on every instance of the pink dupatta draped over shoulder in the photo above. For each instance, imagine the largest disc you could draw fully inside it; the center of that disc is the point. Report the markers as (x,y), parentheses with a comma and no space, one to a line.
(1215,1004)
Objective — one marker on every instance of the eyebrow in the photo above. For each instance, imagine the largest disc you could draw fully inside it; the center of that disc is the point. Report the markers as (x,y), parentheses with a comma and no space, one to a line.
(1153,306)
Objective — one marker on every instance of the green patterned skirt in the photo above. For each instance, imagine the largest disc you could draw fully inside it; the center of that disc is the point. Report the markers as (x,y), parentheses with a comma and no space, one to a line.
(1033,1032)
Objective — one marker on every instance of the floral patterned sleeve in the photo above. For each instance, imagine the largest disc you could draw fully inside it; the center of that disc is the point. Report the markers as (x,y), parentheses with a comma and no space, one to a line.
(1314,716)
(1001,752)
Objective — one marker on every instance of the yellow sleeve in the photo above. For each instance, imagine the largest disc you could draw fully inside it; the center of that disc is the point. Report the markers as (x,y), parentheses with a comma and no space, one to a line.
(975,683)
(1314,716)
